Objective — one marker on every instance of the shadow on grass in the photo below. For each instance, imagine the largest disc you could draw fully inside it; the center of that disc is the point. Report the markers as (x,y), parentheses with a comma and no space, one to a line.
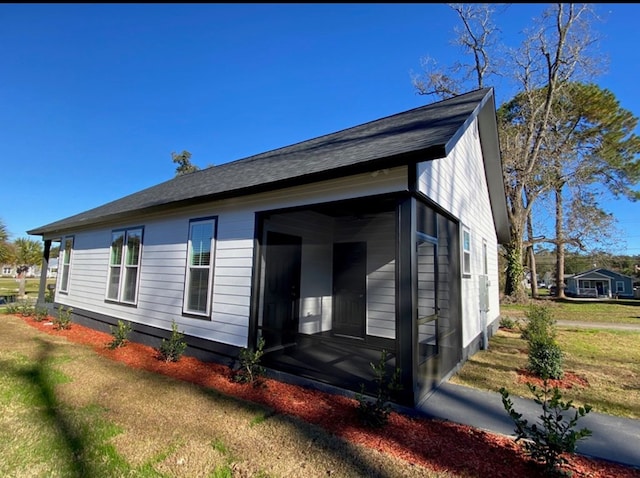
(71,440)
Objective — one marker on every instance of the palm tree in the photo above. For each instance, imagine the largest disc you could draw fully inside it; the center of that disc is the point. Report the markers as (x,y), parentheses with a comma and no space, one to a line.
(28,254)
(5,247)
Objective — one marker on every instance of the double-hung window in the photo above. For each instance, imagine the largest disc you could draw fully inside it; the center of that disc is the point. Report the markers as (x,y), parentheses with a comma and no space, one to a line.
(124,265)
(64,260)
(199,274)
(466,252)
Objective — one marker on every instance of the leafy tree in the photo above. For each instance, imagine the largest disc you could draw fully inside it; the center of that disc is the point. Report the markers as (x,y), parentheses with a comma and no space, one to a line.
(589,143)
(183,160)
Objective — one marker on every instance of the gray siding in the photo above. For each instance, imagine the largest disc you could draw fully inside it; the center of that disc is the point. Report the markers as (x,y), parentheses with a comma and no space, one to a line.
(163,259)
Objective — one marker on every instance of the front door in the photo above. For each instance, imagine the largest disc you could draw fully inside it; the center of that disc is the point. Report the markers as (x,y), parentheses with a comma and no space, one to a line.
(282,289)
(349,289)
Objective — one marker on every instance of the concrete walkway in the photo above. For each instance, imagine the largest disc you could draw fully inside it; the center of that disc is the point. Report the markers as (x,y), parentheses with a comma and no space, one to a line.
(613,438)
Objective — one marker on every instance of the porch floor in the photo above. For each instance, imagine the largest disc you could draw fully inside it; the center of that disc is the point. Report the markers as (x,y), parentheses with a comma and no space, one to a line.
(339,361)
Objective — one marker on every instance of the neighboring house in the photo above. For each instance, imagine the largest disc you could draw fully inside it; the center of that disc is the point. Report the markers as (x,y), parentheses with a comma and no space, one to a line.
(599,283)
(10,270)
(380,236)
(52,270)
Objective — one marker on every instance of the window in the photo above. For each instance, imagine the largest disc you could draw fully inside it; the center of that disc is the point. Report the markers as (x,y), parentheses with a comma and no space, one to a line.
(485,259)
(124,265)
(197,298)
(619,286)
(466,252)
(65,261)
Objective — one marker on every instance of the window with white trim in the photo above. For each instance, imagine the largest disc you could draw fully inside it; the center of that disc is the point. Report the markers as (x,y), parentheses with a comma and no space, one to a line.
(124,265)
(466,252)
(619,286)
(64,262)
(199,274)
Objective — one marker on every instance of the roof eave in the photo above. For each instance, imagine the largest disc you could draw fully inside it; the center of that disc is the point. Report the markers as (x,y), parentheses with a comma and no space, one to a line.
(490,144)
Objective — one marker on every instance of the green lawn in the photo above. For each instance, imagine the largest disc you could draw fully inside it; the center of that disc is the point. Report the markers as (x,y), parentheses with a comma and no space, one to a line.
(606,311)
(9,284)
(608,359)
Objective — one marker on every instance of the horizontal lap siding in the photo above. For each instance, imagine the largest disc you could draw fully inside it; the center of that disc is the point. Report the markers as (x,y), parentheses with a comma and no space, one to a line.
(458,184)
(163,259)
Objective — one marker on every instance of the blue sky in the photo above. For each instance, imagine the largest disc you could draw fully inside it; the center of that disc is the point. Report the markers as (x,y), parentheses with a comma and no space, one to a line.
(94,98)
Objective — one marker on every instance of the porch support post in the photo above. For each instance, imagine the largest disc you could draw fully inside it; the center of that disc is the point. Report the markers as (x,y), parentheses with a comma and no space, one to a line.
(406,310)
(43,271)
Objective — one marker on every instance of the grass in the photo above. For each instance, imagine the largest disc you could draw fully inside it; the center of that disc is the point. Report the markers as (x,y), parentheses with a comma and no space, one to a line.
(608,359)
(32,284)
(607,311)
(69,412)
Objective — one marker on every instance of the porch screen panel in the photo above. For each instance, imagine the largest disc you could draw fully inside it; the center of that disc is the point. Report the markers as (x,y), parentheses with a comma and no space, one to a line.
(427,298)
(449,313)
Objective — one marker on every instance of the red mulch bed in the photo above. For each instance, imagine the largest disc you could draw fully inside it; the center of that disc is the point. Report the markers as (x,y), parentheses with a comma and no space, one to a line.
(433,444)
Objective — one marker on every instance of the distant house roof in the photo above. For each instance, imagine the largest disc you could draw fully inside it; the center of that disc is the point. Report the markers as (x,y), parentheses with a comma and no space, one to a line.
(425,133)
(599,271)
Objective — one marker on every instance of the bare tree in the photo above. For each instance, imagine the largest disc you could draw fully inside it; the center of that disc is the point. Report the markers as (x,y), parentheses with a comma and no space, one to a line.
(477,38)
(553,54)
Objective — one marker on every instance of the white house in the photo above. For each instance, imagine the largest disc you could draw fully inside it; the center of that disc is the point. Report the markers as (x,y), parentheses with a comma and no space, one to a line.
(380,236)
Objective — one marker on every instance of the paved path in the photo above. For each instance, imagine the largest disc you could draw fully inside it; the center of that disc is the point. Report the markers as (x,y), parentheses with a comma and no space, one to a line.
(613,438)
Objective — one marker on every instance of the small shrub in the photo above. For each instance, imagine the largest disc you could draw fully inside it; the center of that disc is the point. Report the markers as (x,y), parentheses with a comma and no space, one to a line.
(41,313)
(63,319)
(250,368)
(540,324)
(171,350)
(49,296)
(375,413)
(555,434)
(120,334)
(25,308)
(507,323)
(546,359)
(12,308)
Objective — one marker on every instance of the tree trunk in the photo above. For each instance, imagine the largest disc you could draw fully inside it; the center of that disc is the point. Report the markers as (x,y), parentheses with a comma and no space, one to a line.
(515,272)
(21,285)
(532,261)
(559,244)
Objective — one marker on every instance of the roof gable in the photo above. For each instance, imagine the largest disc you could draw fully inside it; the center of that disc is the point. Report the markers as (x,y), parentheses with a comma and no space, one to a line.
(600,272)
(424,133)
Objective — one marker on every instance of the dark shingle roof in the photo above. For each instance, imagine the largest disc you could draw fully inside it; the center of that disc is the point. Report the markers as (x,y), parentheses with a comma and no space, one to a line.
(423,133)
